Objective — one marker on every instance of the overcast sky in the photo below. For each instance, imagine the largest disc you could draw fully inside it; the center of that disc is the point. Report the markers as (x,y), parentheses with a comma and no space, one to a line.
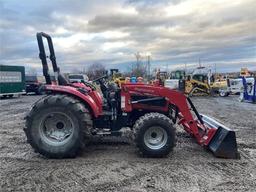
(221,32)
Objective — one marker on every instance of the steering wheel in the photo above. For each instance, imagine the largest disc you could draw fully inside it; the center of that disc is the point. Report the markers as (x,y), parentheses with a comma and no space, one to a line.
(98,80)
(103,86)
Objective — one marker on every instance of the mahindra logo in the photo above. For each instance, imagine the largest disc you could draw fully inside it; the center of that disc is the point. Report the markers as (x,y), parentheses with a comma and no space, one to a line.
(144,90)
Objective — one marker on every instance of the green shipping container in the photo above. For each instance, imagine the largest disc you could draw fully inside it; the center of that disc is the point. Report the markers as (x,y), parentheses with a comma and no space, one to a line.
(12,80)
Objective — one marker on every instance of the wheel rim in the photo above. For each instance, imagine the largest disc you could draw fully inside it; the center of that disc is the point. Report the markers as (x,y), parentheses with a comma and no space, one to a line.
(56,128)
(222,93)
(155,137)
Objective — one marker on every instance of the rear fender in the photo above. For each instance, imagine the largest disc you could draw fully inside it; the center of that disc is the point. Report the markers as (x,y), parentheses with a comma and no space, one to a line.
(85,98)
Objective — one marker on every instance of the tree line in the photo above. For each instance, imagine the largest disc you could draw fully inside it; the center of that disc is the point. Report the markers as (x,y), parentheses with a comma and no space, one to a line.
(96,70)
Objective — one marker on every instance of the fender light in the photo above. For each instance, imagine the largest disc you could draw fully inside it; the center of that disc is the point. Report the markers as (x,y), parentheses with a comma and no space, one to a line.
(83,91)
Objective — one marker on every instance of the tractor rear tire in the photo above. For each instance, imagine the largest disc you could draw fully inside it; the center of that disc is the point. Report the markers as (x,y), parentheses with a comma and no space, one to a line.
(56,126)
(154,135)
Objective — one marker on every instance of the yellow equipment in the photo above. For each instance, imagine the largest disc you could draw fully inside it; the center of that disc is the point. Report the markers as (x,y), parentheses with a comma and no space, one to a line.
(204,84)
(197,85)
(117,77)
(245,72)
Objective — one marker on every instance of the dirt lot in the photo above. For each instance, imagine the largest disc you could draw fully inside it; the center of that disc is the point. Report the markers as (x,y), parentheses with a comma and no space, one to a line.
(111,164)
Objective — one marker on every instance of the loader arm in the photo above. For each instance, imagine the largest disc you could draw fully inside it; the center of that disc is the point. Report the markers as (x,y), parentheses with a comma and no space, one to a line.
(207,131)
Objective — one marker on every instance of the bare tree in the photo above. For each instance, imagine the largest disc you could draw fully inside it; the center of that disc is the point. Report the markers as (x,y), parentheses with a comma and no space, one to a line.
(136,70)
(95,70)
(139,71)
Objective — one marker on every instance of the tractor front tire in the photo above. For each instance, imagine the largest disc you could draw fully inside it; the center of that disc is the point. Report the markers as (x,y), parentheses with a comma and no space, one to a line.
(154,135)
(56,126)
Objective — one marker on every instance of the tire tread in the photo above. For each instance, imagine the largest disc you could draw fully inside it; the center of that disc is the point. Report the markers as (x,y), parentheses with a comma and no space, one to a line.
(76,106)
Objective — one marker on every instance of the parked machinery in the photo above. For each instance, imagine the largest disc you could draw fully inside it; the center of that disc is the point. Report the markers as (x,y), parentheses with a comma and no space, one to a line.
(244,72)
(12,81)
(176,80)
(117,77)
(77,78)
(33,84)
(248,94)
(58,124)
(161,76)
(202,82)
(221,87)
(197,85)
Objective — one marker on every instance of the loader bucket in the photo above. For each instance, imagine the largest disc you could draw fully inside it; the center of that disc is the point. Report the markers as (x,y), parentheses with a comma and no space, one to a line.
(223,143)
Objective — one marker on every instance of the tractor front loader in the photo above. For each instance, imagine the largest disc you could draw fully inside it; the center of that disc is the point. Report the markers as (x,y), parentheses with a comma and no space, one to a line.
(59,124)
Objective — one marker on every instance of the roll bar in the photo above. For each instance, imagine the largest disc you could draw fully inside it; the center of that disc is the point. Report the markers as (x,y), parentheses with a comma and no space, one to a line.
(43,56)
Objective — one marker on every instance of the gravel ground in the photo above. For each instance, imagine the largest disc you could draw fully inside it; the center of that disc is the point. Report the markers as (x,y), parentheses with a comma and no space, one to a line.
(112,164)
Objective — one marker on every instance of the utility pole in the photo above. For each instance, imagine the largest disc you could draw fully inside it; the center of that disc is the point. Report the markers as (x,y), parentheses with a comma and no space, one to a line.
(148,57)
(137,55)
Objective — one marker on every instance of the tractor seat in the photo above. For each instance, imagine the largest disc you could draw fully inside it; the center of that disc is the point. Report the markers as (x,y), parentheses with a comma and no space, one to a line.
(62,80)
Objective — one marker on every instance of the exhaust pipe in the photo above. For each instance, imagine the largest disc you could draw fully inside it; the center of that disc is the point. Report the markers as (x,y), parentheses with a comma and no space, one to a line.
(223,144)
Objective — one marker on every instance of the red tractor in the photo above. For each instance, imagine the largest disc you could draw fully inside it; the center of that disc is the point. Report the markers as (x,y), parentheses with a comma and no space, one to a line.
(59,124)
